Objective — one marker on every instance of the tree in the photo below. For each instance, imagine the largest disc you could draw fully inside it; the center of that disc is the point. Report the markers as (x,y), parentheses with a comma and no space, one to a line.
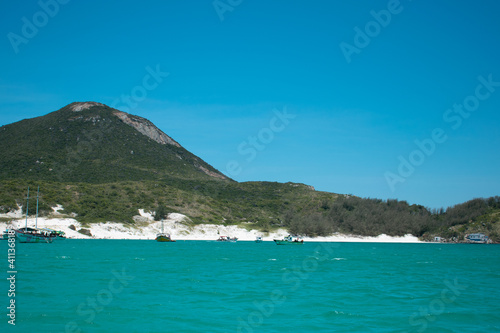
(161,212)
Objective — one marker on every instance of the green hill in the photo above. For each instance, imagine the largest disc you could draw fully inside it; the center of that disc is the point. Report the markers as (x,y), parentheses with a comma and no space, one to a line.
(93,143)
(103,165)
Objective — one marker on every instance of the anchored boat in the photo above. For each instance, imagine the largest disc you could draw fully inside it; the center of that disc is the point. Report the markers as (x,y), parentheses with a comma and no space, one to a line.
(227,239)
(290,240)
(33,235)
(5,235)
(55,234)
(162,236)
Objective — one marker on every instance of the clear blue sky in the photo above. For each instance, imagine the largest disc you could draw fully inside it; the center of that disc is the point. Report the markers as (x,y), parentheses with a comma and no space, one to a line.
(355,83)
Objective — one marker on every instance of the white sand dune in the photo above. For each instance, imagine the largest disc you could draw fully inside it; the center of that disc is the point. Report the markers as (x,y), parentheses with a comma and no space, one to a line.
(176,225)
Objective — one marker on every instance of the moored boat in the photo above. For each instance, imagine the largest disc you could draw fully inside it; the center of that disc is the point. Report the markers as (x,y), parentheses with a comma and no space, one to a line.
(258,239)
(227,239)
(55,234)
(290,240)
(5,235)
(162,236)
(478,238)
(33,235)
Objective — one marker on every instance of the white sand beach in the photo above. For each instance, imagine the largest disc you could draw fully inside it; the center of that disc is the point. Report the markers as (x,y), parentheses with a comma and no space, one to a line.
(176,225)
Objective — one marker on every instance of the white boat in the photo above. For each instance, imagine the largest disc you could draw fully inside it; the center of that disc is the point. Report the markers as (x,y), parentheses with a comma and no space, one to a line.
(55,234)
(478,238)
(227,239)
(290,240)
(258,239)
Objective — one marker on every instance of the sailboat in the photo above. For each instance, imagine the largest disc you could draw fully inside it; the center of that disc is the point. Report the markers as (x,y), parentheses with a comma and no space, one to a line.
(32,235)
(163,237)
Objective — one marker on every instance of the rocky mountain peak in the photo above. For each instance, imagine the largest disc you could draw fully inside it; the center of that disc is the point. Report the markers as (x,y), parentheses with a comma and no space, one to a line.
(80,106)
(92,142)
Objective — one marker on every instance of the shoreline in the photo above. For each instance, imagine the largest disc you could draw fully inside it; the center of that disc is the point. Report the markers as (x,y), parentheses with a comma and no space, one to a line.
(146,228)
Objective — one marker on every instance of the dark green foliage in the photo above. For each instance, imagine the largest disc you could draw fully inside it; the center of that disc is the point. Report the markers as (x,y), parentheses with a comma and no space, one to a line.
(467,211)
(371,217)
(474,216)
(162,212)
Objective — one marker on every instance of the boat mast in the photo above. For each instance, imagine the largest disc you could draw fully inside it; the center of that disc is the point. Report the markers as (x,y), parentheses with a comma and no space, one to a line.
(36,219)
(27,206)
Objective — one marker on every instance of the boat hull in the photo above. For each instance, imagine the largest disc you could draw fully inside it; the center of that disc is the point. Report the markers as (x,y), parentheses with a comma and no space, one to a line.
(32,238)
(285,242)
(227,239)
(163,238)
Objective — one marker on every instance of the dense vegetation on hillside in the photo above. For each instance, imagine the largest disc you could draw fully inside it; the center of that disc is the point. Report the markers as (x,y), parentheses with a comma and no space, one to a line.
(261,205)
(353,215)
(92,146)
(101,168)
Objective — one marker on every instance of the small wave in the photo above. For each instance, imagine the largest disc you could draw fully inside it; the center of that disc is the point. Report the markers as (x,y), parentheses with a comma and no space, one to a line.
(142,259)
(334,313)
(63,257)
(271,259)
(339,259)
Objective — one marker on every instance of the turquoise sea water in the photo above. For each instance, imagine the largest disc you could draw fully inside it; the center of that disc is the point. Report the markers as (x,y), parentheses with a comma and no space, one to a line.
(199,286)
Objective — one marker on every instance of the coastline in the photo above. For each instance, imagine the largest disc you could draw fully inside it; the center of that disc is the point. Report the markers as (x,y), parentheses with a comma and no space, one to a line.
(146,228)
